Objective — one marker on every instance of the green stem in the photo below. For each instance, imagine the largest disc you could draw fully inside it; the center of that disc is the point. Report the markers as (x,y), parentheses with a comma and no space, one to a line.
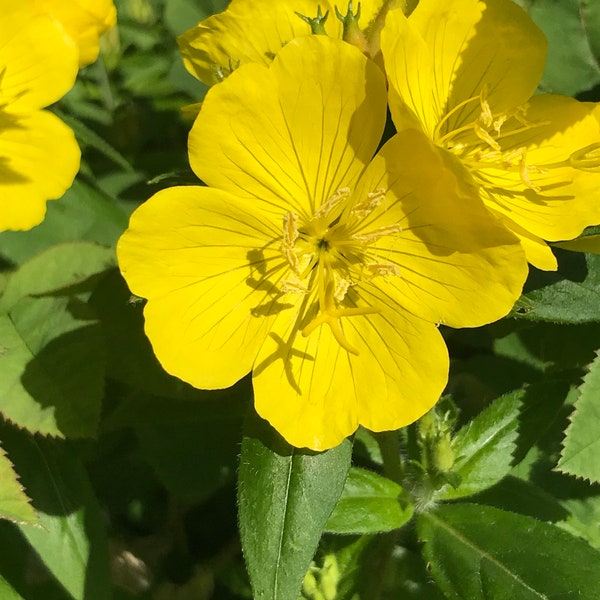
(389,444)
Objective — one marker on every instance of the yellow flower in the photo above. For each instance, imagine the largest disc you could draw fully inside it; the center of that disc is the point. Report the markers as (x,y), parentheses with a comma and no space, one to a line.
(464,72)
(39,156)
(84,20)
(255,30)
(320,270)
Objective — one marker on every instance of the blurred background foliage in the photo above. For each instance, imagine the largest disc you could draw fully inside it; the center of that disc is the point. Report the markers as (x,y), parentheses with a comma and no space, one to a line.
(132,474)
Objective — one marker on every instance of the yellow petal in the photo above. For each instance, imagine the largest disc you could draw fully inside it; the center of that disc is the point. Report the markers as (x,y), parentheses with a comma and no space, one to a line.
(84,20)
(206,264)
(39,159)
(448,52)
(38,61)
(316,394)
(290,135)
(457,264)
(538,253)
(253,32)
(558,200)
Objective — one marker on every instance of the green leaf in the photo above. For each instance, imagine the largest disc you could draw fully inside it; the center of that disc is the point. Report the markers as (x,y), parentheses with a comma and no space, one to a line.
(585,243)
(52,367)
(285,497)
(58,268)
(581,452)
(369,504)
(71,540)
(7,592)
(482,553)
(14,503)
(569,295)
(82,214)
(573,30)
(484,447)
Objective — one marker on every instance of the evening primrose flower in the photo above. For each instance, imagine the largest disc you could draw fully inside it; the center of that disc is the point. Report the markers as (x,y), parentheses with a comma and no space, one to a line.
(84,20)
(39,156)
(255,30)
(323,272)
(464,72)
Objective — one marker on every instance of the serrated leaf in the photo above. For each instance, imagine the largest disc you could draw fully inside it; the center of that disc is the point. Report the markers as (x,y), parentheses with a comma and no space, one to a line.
(484,447)
(52,367)
(580,455)
(569,295)
(369,503)
(61,266)
(482,553)
(285,497)
(573,30)
(14,503)
(71,540)
(82,214)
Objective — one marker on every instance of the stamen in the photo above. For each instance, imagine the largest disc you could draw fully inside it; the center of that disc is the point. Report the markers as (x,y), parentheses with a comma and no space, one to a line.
(366,207)
(486,116)
(383,270)
(444,120)
(289,286)
(288,240)
(484,136)
(376,234)
(341,289)
(340,196)
(587,158)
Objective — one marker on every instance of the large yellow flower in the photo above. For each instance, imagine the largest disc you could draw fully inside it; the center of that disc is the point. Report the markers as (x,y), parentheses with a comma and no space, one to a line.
(255,30)
(464,72)
(323,272)
(39,156)
(84,20)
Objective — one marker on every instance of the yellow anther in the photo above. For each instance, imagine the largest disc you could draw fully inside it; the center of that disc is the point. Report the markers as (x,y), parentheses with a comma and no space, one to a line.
(367,206)
(525,170)
(383,270)
(486,116)
(340,196)
(341,289)
(290,229)
(372,236)
(289,286)
(484,136)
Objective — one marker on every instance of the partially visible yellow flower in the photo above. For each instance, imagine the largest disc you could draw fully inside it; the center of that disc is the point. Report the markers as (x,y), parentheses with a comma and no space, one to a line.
(255,30)
(464,72)
(39,156)
(321,270)
(84,20)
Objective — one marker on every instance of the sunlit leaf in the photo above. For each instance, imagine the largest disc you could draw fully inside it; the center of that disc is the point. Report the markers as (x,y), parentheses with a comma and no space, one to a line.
(573,30)
(61,266)
(484,447)
(482,553)
(369,503)
(14,503)
(569,295)
(285,497)
(581,452)
(51,367)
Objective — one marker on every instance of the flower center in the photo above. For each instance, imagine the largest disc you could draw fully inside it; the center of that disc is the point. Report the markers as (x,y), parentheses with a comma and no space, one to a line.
(329,256)
(479,143)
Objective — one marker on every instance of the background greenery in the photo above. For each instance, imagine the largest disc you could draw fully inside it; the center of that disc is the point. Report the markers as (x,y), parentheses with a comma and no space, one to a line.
(130,476)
